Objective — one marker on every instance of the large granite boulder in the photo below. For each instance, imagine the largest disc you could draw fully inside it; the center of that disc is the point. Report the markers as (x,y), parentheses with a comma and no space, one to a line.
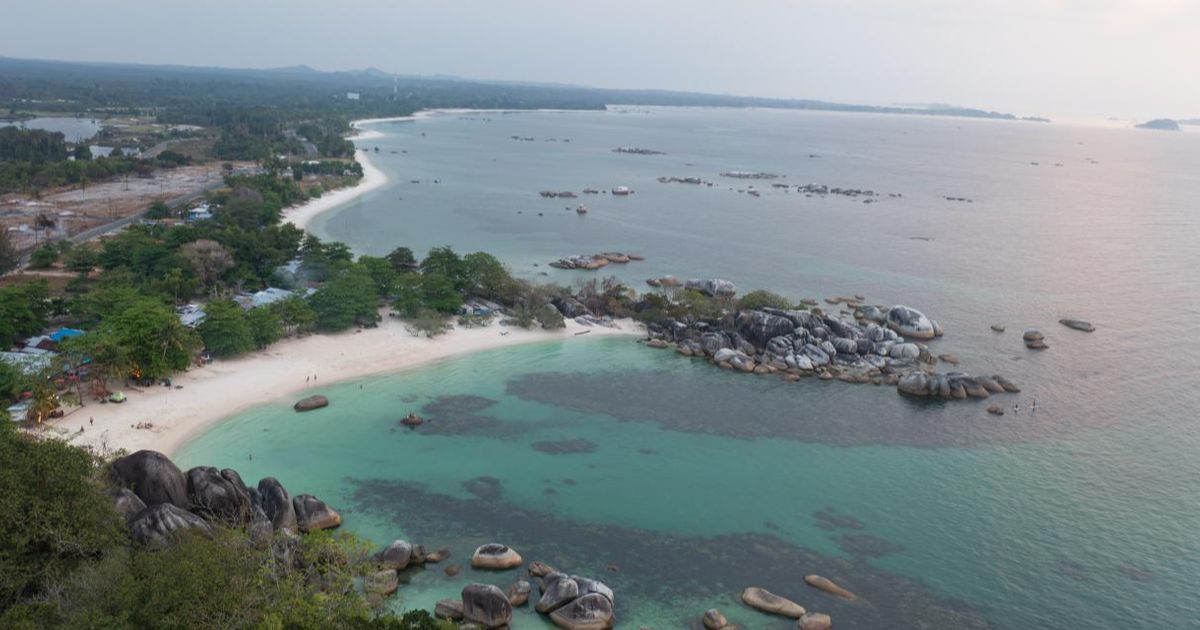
(712,287)
(395,556)
(588,586)
(451,609)
(570,307)
(127,504)
(313,514)
(216,497)
(152,477)
(910,322)
(769,602)
(311,402)
(486,605)
(759,327)
(518,592)
(160,525)
(713,619)
(277,504)
(589,612)
(496,557)
(557,591)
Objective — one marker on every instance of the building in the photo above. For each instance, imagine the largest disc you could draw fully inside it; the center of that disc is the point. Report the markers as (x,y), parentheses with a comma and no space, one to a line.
(352,96)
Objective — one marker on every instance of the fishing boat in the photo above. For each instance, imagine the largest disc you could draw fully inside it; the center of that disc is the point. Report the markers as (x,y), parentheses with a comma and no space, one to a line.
(621,190)
(581,209)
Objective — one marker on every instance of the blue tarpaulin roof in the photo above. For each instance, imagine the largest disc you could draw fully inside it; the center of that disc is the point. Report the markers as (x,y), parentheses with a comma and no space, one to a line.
(63,333)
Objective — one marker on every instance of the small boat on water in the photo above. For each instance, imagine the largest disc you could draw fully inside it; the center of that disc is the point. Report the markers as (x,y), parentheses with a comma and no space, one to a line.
(621,190)
(582,209)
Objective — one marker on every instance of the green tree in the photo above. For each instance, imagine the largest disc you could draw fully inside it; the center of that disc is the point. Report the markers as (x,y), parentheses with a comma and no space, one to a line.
(402,260)
(8,253)
(265,326)
(485,276)
(144,337)
(43,256)
(23,311)
(382,273)
(81,259)
(55,516)
(295,315)
(158,210)
(225,331)
(349,298)
(445,261)
(762,298)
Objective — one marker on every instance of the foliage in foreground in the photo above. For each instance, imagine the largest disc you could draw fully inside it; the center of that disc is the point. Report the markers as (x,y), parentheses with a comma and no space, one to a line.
(66,562)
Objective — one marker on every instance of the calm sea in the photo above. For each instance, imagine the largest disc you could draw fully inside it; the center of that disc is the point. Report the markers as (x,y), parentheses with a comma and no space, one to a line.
(680,484)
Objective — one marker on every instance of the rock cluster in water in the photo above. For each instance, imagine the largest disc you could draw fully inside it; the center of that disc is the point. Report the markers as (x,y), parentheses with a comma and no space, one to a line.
(160,502)
(873,347)
(571,602)
(749,175)
(637,151)
(592,262)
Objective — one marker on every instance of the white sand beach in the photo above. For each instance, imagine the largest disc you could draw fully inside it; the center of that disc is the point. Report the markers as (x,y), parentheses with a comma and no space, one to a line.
(224,388)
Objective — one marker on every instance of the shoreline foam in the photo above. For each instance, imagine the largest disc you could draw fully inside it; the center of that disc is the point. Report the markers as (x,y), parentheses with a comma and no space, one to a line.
(222,389)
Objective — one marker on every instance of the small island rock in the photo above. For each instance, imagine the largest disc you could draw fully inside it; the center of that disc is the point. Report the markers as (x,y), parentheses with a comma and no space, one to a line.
(496,557)
(814,621)
(766,601)
(310,403)
(589,612)
(486,605)
(313,514)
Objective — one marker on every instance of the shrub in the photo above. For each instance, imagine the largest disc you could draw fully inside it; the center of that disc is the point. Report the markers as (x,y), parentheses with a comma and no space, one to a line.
(762,298)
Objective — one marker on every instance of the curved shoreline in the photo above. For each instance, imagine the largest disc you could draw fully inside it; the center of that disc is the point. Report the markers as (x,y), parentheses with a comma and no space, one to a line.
(222,389)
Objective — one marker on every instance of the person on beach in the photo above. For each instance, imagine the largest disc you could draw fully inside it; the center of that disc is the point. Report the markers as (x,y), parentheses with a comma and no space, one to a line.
(92,421)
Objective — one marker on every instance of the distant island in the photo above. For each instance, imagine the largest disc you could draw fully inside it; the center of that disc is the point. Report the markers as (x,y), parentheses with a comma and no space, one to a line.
(1189,121)
(1160,124)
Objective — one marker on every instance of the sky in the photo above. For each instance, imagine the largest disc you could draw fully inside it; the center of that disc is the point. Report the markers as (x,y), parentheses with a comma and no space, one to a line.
(1075,58)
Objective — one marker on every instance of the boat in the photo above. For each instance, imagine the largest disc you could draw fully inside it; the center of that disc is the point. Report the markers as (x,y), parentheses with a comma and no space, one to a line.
(621,190)
(582,209)
(116,397)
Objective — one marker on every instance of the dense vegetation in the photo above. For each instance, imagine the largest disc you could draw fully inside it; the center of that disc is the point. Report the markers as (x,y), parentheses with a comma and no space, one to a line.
(67,562)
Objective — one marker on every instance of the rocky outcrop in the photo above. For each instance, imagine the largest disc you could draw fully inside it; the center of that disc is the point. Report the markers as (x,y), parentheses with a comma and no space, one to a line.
(496,557)
(1034,339)
(486,605)
(153,477)
(538,569)
(218,497)
(589,612)
(570,307)
(518,592)
(910,322)
(558,590)
(766,601)
(160,525)
(712,287)
(126,503)
(382,583)
(311,402)
(449,609)
(313,514)
(395,556)
(829,586)
(277,504)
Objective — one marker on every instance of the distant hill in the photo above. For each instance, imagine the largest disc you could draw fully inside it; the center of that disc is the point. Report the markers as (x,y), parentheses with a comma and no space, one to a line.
(95,84)
(1189,121)
(1160,124)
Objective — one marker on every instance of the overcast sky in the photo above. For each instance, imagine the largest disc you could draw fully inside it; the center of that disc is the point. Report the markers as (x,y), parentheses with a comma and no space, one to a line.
(1129,58)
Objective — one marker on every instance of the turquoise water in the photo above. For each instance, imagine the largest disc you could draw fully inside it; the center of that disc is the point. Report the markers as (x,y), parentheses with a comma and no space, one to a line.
(694,483)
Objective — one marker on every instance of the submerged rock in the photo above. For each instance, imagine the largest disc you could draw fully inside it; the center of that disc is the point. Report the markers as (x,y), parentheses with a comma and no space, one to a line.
(766,601)
(1078,324)
(829,586)
(814,621)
